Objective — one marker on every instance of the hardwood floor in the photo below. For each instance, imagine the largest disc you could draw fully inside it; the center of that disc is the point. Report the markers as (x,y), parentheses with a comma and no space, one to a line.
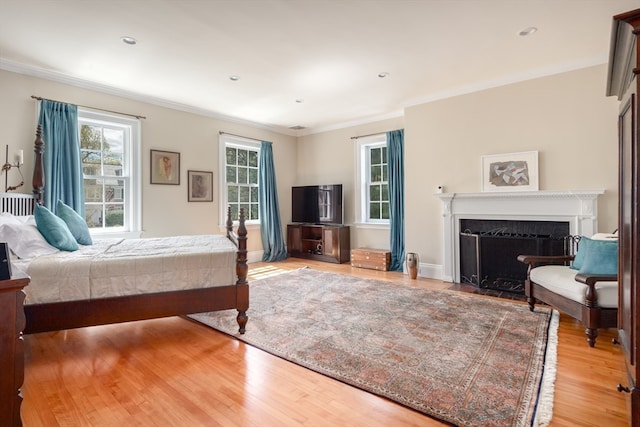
(175,372)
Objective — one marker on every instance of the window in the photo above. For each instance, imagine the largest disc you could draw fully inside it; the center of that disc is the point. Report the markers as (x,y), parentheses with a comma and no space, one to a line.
(239,184)
(109,148)
(373,179)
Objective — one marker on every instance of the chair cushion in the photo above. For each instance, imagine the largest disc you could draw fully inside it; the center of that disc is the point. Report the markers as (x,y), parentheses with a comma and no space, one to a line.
(560,279)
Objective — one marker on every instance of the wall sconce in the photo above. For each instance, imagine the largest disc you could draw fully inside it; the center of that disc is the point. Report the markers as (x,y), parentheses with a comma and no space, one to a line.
(19,161)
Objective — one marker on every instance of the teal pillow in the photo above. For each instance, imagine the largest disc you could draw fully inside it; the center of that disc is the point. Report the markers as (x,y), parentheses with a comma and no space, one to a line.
(77,225)
(601,257)
(583,246)
(54,229)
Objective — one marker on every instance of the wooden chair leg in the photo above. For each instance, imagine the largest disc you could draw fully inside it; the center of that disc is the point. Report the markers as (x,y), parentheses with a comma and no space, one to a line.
(532,303)
(592,334)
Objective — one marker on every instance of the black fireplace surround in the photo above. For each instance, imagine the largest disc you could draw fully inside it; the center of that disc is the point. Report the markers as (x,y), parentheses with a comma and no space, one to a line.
(489,250)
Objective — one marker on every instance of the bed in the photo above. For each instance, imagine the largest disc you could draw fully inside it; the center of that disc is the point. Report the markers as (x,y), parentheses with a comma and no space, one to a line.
(115,280)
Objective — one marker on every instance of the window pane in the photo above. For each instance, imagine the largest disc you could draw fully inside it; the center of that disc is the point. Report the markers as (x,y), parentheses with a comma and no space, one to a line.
(244,194)
(243,158)
(253,176)
(91,137)
(383,154)
(254,194)
(231,175)
(231,156)
(242,176)
(385,192)
(232,191)
(114,190)
(385,211)
(114,215)
(374,193)
(91,159)
(234,211)
(247,211)
(376,173)
(385,173)
(112,149)
(92,190)
(93,215)
(254,211)
(376,156)
(253,159)
(374,210)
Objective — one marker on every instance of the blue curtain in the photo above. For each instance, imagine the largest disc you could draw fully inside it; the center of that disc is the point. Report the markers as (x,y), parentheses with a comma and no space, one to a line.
(395,162)
(62,164)
(270,224)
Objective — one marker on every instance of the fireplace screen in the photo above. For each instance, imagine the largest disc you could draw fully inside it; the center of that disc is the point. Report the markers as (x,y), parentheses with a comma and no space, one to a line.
(489,250)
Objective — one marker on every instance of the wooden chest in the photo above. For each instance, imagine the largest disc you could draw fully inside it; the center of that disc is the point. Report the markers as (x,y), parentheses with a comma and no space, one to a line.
(374,259)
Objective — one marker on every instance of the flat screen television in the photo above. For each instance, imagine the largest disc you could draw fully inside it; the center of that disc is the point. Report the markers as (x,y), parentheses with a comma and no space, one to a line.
(317,204)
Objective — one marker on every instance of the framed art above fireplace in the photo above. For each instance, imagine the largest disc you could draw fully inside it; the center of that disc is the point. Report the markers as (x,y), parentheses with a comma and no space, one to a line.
(510,172)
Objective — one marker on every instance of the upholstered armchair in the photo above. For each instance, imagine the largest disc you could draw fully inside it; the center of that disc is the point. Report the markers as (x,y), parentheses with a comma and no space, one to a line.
(584,285)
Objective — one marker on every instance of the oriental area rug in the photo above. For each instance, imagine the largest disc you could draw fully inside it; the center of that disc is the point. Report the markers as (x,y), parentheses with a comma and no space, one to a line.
(459,358)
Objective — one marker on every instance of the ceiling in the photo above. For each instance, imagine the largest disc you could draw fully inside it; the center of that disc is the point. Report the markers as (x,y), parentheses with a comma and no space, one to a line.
(301,63)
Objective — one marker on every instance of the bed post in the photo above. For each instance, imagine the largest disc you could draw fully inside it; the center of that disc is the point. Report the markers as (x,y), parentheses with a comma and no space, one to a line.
(242,286)
(38,168)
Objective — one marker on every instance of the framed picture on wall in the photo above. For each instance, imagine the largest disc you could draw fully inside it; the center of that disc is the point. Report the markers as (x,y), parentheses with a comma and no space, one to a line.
(200,186)
(165,167)
(510,172)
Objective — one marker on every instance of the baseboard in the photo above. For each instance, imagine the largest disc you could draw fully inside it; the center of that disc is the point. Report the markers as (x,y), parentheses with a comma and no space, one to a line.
(254,256)
(432,271)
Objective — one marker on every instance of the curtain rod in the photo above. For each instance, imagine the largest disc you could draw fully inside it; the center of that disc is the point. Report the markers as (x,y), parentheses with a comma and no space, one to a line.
(371,134)
(93,108)
(239,136)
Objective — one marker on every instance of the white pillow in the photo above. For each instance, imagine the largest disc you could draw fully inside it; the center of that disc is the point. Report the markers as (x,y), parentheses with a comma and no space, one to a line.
(7,218)
(604,236)
(25,240)
(26,219)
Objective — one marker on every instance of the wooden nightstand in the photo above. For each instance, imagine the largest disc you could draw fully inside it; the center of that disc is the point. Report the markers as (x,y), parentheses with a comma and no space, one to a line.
(12,322)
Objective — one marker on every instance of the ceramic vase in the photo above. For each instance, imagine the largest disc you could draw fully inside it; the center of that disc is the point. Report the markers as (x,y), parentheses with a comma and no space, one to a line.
(412,264)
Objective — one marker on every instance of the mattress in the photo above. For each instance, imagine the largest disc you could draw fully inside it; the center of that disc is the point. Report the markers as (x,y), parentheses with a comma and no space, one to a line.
(120,267)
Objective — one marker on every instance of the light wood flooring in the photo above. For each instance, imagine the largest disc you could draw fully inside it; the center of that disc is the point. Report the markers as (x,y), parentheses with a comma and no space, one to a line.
(175,372)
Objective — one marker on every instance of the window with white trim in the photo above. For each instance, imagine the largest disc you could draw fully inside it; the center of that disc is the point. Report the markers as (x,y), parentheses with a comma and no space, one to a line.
(239,182)
(110,155)
(373,179)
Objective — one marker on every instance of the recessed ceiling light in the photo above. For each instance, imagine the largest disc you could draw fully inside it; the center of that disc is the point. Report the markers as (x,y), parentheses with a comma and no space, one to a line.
(299,100)
(383,74)
(128,40)
(527,31)
(234,78)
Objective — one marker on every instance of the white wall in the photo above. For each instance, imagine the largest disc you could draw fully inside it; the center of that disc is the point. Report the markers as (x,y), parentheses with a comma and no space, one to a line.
(329,158)
(567,118)
(165,209)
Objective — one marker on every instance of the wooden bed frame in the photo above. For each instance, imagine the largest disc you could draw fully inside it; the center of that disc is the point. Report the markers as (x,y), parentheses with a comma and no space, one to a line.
(77,314)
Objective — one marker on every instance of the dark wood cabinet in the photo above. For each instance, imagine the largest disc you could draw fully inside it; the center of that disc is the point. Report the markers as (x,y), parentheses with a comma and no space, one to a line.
(623,82)
(330,243)
(12,323)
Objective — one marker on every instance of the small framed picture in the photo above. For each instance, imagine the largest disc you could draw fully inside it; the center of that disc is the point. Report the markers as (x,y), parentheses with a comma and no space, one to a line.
(510,172)
(165,167)
(200,186)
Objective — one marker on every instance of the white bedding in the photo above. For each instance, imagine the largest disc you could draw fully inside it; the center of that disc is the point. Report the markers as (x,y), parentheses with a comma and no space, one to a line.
(118,267)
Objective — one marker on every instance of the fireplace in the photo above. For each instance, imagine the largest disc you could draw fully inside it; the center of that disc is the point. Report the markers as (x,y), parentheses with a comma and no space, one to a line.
(576,209)
(489,250)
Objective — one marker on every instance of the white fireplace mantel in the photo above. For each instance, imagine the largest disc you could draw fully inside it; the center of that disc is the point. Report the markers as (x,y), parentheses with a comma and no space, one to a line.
(578,208)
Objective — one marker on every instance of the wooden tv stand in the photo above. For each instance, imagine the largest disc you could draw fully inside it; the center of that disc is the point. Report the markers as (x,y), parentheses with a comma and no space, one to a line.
(330,243)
